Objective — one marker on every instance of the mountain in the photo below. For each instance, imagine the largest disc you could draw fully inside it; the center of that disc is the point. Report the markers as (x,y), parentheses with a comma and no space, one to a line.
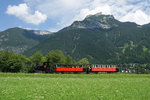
(39,32)
(18,40)
(101,39)
(95,22)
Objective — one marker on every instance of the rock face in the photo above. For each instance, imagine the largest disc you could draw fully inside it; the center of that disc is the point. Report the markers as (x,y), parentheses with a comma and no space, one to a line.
(95,22)
(39,32)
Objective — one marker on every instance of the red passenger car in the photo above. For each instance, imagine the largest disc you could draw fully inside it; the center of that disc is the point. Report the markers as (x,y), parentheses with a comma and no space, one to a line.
(69,68)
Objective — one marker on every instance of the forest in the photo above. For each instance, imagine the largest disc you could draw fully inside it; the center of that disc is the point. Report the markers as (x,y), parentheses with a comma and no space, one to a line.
(11,62)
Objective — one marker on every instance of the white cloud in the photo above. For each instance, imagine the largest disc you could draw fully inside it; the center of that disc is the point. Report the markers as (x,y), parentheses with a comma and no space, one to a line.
(105,9)
(23,12)
(64,12)
(138,17)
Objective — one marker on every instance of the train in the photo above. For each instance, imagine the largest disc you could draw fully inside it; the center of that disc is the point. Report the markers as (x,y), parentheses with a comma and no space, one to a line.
(75,68)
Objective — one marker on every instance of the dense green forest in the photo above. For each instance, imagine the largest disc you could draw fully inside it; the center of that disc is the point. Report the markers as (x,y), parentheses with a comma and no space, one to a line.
(11,62)
(101,39)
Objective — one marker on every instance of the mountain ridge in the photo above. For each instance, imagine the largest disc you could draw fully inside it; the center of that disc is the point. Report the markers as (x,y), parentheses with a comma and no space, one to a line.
(18,40)
(101,39)
(116,43)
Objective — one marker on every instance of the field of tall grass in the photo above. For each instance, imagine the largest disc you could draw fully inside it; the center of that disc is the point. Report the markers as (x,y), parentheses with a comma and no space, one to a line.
(19,86)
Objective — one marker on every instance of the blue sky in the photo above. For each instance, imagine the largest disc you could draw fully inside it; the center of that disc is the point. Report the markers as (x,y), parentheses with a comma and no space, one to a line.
(54,15)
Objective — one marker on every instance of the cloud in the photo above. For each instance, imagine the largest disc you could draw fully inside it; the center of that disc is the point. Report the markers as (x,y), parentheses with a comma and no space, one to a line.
(104,9)
(64,12)
(138,17)
(23,12)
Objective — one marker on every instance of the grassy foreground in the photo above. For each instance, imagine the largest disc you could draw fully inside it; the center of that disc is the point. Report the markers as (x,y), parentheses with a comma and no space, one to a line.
(74,86)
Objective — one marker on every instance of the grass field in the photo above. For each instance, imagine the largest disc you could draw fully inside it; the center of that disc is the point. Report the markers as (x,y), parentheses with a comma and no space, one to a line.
(74,86)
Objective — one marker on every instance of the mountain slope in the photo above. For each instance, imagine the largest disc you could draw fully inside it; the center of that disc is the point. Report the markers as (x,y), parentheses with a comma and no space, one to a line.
(18,40)
(102,39)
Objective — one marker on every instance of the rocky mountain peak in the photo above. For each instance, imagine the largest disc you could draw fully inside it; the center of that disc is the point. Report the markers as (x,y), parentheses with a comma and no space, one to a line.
(96,21)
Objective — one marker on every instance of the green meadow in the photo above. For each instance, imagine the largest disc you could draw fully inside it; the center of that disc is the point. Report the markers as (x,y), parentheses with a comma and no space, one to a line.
(19,86)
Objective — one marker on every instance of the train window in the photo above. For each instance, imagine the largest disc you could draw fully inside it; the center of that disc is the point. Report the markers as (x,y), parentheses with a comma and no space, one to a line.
(114,66)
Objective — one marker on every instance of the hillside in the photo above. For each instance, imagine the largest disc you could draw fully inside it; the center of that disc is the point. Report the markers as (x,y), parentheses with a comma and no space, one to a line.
(101,39)
(18,40)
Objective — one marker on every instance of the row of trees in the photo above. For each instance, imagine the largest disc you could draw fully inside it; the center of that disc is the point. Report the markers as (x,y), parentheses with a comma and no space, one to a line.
(10,62)
(135,68)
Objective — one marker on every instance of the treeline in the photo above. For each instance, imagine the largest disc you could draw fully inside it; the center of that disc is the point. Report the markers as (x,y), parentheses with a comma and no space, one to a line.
(10,62)
(135,68)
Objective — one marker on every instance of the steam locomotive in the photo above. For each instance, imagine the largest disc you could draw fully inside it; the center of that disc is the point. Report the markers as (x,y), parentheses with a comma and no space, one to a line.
(75,68)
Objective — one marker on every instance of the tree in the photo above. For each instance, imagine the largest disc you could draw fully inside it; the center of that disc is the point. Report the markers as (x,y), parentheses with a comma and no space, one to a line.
(4,56)
(14,63)
(27,65)
(10,62)
(43,59)
(55,57)
(69,60)
(37,58)
(83,61)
